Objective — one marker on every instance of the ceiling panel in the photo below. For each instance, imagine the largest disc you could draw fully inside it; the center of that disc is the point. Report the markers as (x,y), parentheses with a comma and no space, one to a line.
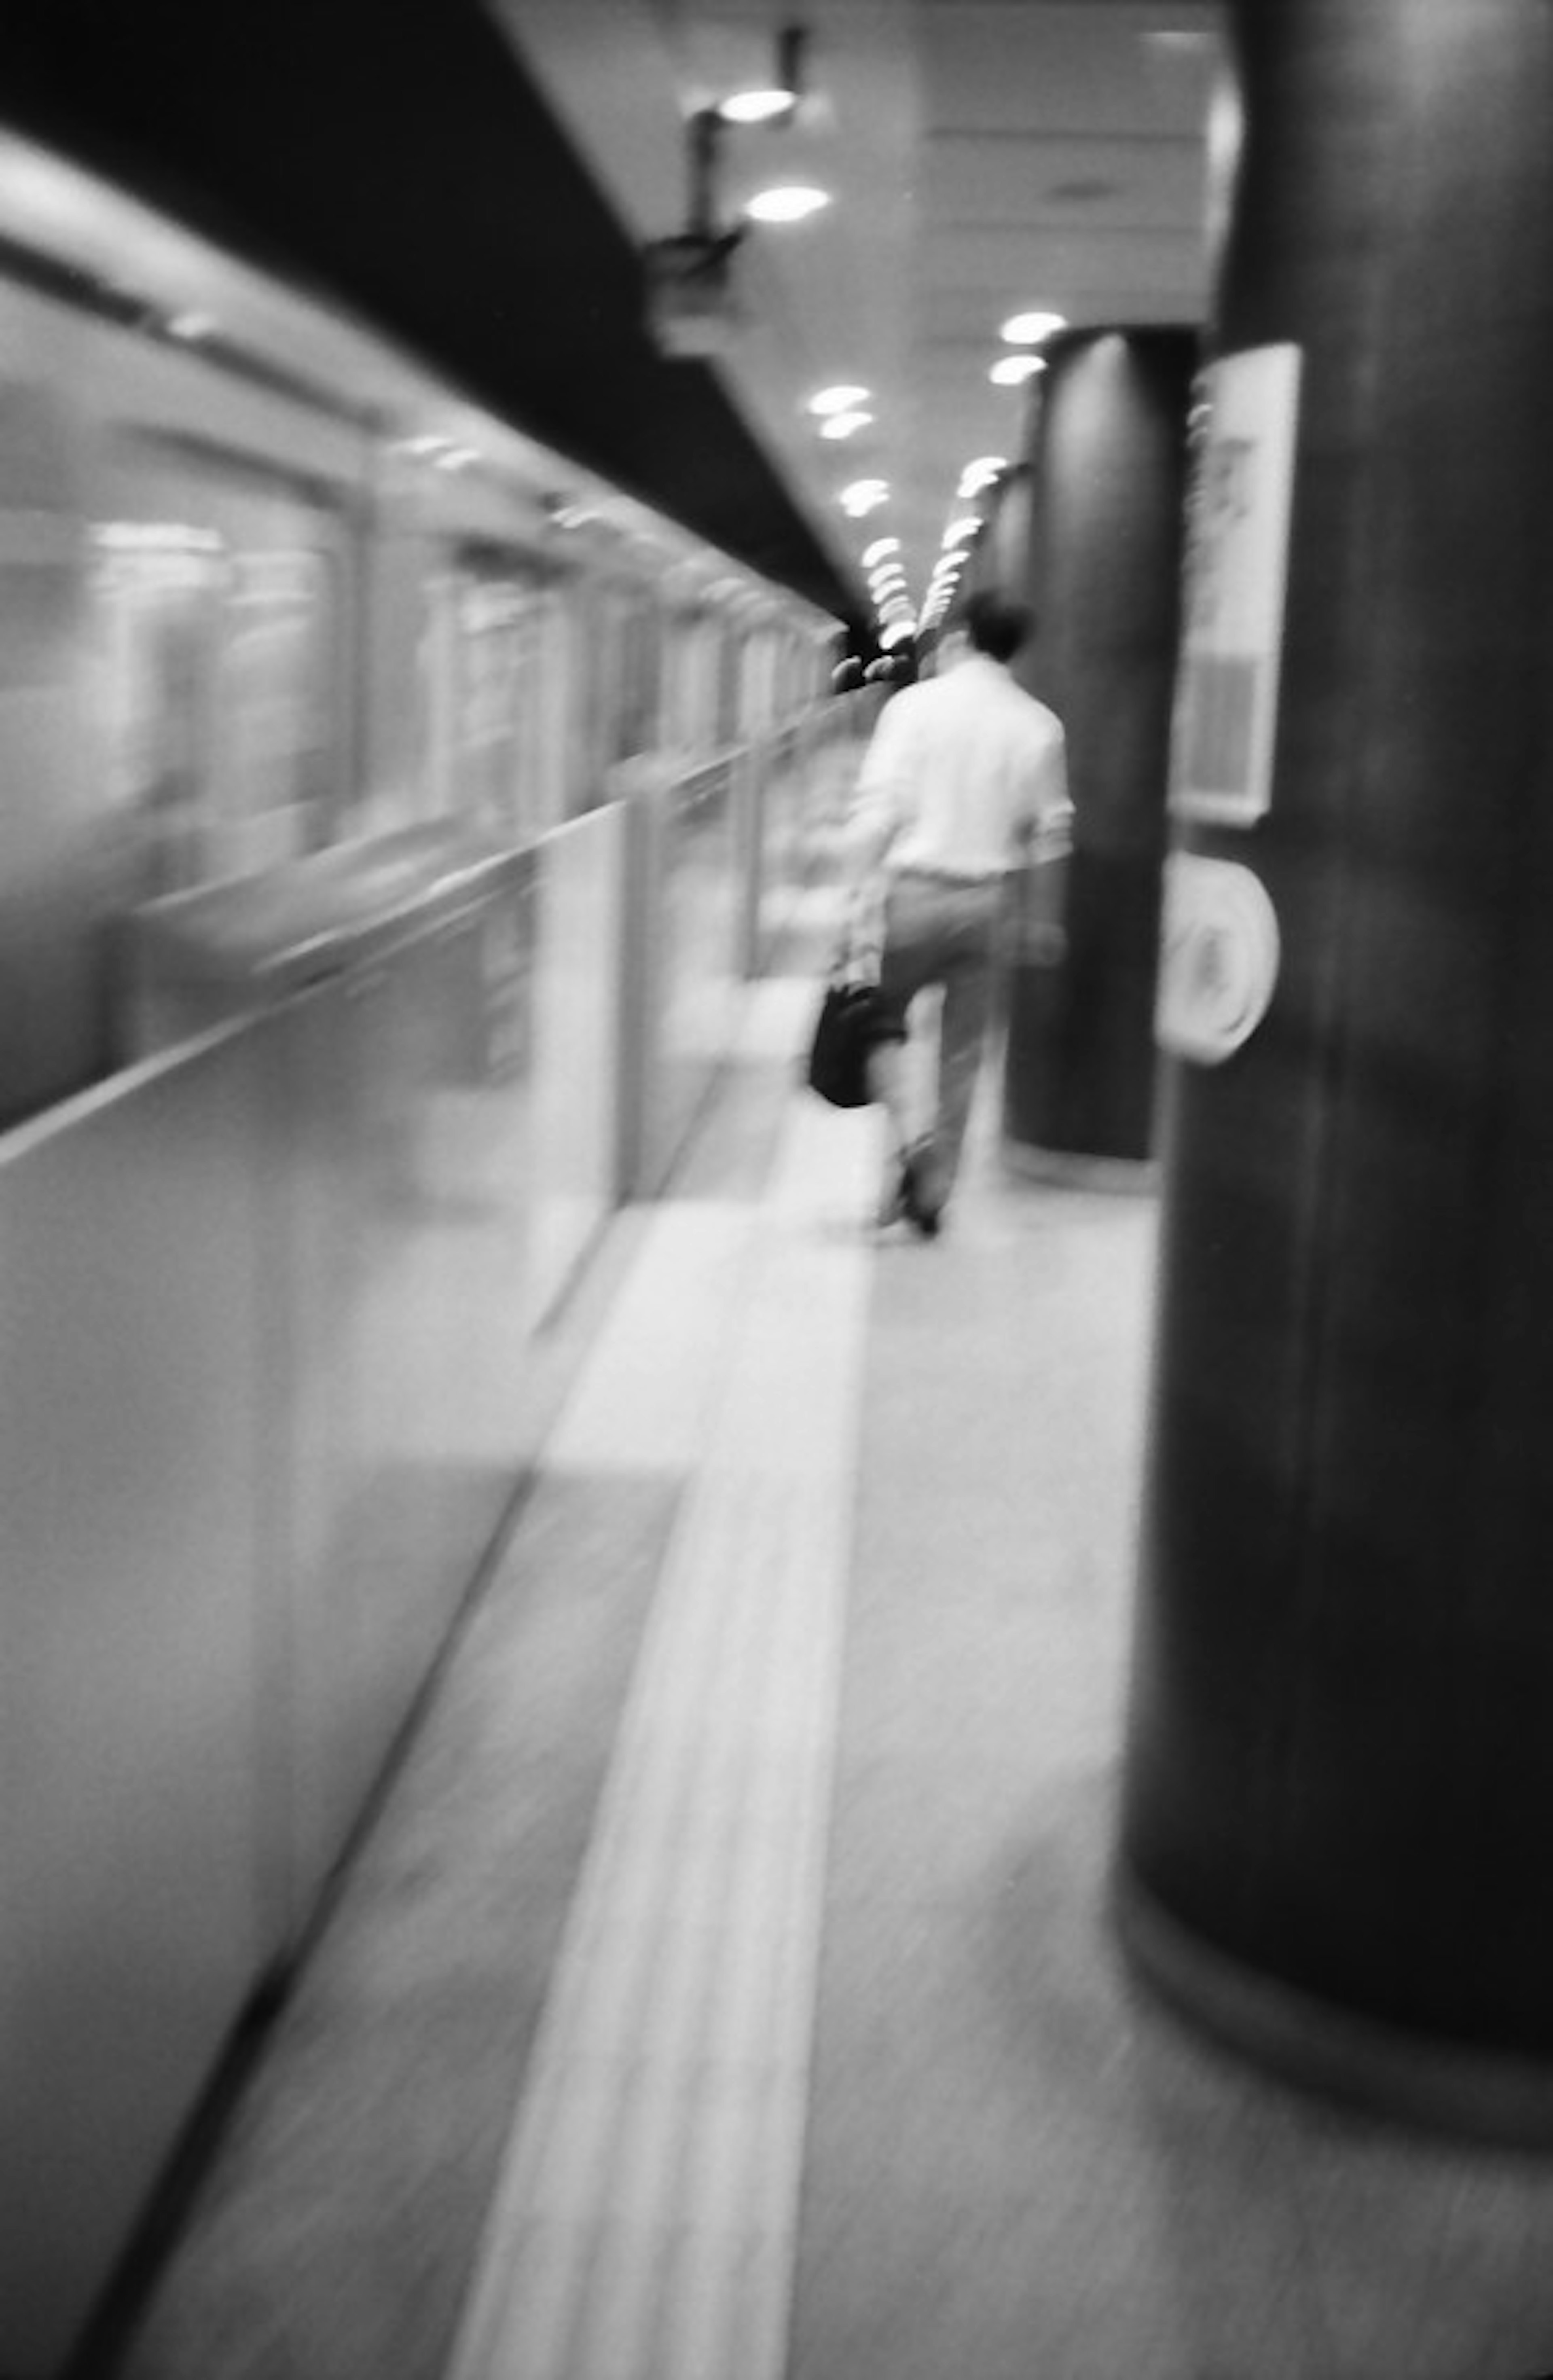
(1066,259)
(1054,65)
(1023,178)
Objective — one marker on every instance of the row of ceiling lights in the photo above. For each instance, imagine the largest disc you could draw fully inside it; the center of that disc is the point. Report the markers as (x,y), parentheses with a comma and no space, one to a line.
(839,411)
(842,410)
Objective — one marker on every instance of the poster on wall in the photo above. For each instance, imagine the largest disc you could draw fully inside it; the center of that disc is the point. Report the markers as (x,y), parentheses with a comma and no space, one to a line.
(1237,544)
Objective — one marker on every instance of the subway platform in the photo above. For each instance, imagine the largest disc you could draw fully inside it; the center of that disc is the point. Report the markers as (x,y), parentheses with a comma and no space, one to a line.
(725,1988)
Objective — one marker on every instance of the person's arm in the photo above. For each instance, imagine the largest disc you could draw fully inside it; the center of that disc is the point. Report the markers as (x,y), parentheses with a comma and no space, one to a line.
(1047,843)
(880,804)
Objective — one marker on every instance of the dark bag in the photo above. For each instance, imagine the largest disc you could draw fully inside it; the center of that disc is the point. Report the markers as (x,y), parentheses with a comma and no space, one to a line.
(851,1022)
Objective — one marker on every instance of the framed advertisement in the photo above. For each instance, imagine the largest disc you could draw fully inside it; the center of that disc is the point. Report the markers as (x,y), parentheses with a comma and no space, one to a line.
(1239,503)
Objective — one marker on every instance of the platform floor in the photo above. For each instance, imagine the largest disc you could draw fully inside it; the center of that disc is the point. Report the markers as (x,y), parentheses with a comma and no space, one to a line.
(725,1990)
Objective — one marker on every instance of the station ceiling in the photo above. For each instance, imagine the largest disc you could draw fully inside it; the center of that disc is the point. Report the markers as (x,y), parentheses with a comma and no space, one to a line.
(480,177)
(395,155)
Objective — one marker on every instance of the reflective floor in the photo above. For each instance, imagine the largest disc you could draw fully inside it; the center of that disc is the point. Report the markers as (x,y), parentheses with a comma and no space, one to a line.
(726,1990)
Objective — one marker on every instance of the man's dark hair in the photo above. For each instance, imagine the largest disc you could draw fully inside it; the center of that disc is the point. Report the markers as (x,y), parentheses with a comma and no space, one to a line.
(997,626)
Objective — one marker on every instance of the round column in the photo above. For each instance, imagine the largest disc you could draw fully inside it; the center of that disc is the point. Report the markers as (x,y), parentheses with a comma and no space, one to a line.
(1106,478)
(1339,1790)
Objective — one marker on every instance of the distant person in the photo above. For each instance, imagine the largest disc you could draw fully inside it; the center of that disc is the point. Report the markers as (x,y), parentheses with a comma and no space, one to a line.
(964,780)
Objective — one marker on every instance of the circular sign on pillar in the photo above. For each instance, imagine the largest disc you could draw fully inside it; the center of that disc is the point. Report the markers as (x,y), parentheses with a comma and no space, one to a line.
(1218,957)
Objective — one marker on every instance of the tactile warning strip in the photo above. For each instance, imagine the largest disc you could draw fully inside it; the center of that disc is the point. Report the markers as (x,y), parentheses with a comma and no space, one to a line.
(643,2227)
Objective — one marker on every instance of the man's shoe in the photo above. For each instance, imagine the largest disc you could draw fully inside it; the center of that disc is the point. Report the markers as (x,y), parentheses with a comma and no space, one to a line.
(919,1199)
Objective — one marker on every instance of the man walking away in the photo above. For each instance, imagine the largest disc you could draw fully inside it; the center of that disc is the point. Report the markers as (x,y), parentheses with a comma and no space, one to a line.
(963,781)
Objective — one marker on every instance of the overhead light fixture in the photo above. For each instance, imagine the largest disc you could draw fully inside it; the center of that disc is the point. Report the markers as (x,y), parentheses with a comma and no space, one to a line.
(864,496)
(845,425)
(761,106)
(961,531)
(845,397)
(1024,329)
(980,474)
(691,309)
(881,547)
(1012,372)
(766,103)
(786,202)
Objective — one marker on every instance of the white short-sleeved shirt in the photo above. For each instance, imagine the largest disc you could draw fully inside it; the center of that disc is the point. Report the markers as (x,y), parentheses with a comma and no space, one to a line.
(971,771)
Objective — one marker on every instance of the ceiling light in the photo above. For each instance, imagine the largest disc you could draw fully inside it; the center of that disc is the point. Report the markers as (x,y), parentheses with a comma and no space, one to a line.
(755,106)
(1012,371)
(1024,330)
(786,202)
(879,548)
(842,398)
(844,425)
(862,495)
(960,531)
(764,104)
(980,474)
(896,634)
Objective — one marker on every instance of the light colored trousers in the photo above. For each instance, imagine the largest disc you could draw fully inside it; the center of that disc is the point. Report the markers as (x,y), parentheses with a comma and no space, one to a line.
(938,932)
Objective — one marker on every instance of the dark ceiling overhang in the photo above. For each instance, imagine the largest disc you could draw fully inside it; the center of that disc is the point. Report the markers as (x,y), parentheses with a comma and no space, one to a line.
(395,155)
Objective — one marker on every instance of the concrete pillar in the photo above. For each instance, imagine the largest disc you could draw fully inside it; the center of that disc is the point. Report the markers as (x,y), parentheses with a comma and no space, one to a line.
(1102,571)
(1339,1792)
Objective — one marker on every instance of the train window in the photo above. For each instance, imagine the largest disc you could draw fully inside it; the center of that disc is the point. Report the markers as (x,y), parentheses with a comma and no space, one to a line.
(219,598)
(435,732)
(156,594)
(277,678)
(684,695)
(730,654)
(638,669)
(189,632)
(498,729)
(486,699)
(615,637)
(699,683)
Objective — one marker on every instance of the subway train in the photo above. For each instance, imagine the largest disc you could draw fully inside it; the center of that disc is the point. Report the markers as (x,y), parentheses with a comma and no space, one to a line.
(391,813)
